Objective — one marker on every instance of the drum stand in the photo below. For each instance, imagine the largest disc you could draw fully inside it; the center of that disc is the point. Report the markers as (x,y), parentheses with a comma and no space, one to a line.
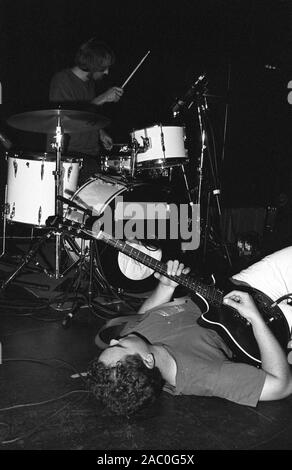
(95,283)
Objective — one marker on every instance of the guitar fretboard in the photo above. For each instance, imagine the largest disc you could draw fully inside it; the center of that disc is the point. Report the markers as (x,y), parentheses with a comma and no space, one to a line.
(211,294)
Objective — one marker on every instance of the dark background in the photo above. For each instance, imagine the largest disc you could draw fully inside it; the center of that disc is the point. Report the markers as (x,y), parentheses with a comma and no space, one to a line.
(233,41)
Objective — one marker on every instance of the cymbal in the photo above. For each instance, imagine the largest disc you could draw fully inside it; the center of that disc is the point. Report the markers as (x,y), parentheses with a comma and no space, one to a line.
(46,121)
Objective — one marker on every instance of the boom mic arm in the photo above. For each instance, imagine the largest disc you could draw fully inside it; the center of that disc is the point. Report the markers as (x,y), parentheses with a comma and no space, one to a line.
(180,103)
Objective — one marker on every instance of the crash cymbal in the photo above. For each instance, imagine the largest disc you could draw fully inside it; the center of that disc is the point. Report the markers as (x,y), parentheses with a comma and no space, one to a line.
(46,120)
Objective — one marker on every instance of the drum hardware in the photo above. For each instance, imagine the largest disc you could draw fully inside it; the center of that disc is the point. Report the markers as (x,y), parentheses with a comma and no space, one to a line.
(4,214)
(84,266)
(134,153)
(198,95)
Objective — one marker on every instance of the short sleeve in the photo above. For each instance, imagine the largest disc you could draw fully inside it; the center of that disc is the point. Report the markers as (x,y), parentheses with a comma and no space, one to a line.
(241,383)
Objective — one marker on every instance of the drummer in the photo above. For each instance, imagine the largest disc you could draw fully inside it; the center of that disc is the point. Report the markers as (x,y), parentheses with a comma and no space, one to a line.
(77,85)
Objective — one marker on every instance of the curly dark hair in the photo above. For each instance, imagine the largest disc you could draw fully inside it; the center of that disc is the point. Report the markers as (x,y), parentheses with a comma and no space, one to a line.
(126,387)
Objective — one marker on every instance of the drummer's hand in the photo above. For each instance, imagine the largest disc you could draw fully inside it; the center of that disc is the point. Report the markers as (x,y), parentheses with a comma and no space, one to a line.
(112,95)
(105,139)
(174,268)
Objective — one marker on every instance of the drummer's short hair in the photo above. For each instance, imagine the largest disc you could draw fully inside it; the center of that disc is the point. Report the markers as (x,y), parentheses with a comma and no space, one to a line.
(94,55)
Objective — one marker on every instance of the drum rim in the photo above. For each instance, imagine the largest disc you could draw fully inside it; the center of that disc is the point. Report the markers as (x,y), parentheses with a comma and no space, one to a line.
(45,157)
(28,224)
(155,163)
(105,203)
(111,180)
(158,125)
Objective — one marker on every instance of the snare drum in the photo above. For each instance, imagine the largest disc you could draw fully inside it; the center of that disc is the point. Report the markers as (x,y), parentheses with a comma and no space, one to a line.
(163,146)
(116,165)
(117,161)
(31,185)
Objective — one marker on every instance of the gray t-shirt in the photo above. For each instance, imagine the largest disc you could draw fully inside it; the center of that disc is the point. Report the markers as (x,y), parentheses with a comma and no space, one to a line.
(68,89)
(204,365)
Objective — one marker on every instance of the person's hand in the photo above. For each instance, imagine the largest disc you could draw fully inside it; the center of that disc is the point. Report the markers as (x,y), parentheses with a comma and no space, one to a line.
(243,303)
(112,95)
(105,139)
(174,268)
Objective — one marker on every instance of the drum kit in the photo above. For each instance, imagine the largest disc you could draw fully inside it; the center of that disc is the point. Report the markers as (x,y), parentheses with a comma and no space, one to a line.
(44,186)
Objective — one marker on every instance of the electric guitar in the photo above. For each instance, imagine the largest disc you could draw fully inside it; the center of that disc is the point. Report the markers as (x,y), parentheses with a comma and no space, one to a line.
(230,325)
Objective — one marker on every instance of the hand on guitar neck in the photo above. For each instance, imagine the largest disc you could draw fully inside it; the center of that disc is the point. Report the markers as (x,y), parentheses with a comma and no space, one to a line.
(174,268)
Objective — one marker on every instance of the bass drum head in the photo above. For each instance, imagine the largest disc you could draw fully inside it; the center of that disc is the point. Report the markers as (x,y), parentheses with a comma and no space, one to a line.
(124,273)
(120,271)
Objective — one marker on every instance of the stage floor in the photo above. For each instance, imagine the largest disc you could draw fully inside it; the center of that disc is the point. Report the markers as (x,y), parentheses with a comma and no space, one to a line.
(39,357)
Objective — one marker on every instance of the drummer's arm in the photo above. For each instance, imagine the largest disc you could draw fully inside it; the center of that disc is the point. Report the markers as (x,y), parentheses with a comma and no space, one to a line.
(112,95)
(166,287)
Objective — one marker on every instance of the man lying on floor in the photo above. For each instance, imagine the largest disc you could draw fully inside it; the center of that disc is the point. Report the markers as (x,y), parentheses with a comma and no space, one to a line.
(166,349)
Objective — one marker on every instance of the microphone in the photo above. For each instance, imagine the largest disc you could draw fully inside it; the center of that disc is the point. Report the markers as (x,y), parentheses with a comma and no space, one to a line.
(181,102)
(5,141)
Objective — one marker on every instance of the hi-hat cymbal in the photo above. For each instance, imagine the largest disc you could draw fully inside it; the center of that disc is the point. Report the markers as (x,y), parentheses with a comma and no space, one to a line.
(46,121)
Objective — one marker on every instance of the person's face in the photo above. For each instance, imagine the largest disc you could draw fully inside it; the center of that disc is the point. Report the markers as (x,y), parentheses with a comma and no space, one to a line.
(120,348)
(100,74)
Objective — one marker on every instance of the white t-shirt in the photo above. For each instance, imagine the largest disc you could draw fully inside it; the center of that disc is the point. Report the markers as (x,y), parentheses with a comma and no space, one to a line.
(273,276)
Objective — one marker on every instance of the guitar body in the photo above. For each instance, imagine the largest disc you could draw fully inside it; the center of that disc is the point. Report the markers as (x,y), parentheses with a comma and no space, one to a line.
(237,332)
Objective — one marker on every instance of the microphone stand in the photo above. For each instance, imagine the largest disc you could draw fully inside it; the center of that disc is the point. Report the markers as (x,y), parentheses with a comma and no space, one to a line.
(214,191)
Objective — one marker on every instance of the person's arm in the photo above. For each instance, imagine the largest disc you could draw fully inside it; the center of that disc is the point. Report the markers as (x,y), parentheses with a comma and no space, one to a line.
(278,383)
(166,287)
(112,95)
(106,139)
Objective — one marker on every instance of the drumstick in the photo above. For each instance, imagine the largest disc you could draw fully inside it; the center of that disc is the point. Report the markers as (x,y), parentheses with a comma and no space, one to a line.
(135,70)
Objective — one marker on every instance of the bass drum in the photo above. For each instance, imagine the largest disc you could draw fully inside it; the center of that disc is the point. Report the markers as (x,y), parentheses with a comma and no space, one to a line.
(99,195)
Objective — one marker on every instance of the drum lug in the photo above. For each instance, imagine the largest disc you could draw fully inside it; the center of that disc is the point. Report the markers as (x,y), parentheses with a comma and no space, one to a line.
(69,172)
(42,170)
(40,215)
(6,208)
(15,166)
(12,214)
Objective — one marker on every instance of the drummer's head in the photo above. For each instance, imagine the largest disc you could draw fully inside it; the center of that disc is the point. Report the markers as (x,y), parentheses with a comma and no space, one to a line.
(95,57)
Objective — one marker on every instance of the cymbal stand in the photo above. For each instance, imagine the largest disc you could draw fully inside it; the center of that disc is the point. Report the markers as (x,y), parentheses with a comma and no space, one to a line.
(58,173)
(134,153)
(4,215)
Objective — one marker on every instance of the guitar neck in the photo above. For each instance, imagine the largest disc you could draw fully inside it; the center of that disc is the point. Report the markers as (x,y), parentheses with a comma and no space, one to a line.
(212,295)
